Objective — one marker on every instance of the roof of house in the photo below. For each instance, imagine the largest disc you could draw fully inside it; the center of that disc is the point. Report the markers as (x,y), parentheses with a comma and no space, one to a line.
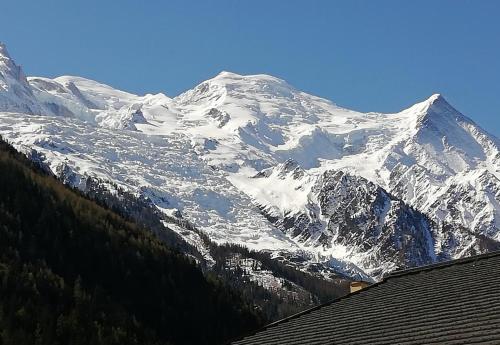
(456,302)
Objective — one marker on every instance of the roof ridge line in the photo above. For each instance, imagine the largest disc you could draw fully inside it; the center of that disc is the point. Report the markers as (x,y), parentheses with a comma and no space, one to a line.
(442,264)
(384,279)
(307,311)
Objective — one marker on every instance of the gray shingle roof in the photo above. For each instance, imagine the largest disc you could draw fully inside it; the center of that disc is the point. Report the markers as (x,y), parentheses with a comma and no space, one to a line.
(457,302)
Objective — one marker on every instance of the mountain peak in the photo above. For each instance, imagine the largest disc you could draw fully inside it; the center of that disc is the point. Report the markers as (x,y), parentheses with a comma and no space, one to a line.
(433,100)
(15,92)
(9,68)
(228,74)
(436,100)
(3,49)
(263,78)
(437,97)
(6,62)
(435,105)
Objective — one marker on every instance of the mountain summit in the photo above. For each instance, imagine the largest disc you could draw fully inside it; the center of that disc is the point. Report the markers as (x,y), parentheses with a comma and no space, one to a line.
(360,194)
(15,92)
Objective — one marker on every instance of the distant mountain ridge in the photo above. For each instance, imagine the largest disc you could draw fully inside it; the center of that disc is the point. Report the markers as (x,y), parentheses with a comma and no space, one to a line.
(365,194)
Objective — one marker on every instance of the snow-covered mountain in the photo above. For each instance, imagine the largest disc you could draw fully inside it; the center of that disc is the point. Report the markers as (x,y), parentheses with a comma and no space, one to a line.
(254,161)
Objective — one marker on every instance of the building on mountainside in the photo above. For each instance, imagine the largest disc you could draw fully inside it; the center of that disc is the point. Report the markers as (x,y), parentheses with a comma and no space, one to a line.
(456,302)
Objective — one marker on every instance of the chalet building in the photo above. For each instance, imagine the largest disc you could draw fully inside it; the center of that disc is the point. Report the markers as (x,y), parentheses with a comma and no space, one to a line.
(457,302)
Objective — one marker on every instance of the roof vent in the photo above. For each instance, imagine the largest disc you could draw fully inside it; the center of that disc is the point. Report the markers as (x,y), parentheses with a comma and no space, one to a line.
(358,285)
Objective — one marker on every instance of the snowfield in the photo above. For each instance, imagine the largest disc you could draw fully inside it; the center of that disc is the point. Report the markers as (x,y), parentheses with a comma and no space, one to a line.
(254,161)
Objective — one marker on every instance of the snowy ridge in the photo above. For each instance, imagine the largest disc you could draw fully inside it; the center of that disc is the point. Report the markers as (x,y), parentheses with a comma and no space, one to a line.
(254,161)
(15,93)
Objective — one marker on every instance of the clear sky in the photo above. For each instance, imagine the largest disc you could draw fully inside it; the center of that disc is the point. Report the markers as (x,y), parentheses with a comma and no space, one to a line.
(364,55)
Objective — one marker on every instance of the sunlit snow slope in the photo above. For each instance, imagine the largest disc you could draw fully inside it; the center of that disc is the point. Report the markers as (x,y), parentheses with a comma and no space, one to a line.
(252,160)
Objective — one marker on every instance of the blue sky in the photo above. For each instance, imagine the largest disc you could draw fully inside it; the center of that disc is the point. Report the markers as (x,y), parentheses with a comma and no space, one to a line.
(365,55)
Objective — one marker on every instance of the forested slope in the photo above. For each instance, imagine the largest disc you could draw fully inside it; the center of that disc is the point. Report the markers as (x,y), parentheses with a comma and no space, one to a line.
(73,272)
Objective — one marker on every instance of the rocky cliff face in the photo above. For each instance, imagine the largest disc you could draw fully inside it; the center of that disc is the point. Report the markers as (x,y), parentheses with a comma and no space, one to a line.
(349,214)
